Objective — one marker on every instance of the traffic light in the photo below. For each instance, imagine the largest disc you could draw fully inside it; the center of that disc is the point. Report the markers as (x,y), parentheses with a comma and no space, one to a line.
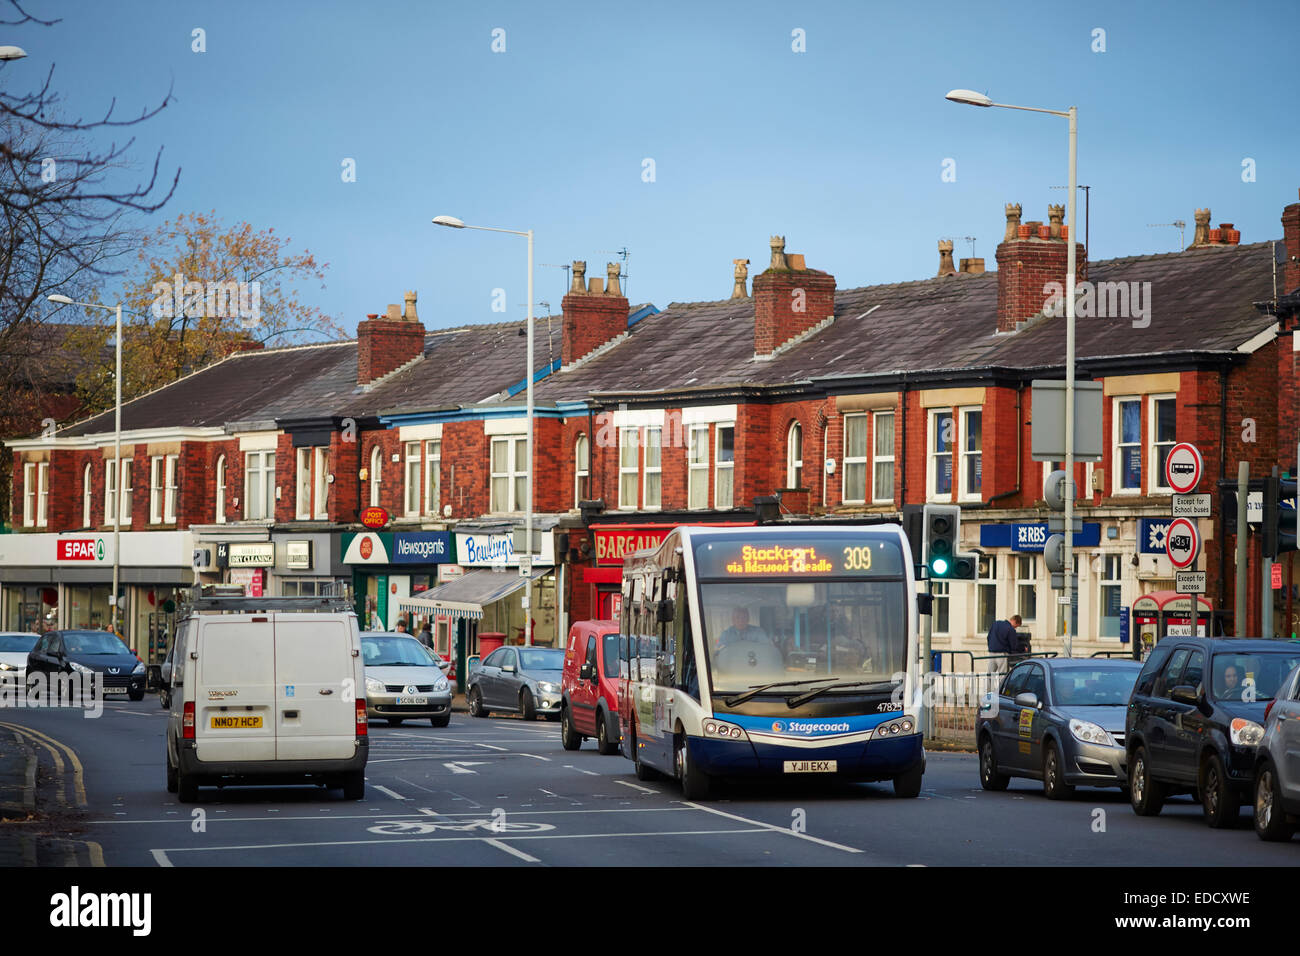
(1278,523)
(942,534)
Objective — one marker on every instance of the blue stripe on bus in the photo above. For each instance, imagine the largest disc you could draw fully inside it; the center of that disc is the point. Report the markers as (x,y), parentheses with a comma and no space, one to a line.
(809,727)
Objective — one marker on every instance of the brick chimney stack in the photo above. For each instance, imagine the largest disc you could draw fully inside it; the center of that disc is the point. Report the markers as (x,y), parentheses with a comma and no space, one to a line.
(388,342)
(1291,236)
(1031,256)
(790,300)
(594,315)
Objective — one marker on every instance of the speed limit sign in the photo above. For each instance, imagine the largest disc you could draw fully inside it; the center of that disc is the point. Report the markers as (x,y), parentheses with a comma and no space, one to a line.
(1183,467)
(1182,543)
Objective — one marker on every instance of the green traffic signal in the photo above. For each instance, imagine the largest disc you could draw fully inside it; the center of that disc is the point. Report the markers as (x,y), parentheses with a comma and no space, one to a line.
(939,567)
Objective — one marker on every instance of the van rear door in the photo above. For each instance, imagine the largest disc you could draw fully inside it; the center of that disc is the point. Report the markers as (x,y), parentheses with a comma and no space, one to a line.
(315,692)
(235,697)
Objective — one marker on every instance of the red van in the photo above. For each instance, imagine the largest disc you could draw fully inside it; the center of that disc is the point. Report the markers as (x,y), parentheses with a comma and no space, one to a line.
(590,686)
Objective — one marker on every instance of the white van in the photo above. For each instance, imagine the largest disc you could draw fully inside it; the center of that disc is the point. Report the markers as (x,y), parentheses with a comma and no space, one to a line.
(267,690)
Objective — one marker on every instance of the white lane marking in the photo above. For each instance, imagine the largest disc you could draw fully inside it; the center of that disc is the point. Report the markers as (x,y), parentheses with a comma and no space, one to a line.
(512,851)
(590,773)
(459,766)
(490,747)
(536,757)
(395,796)
(388,814)
(771,826)
(160,856)
(636,786)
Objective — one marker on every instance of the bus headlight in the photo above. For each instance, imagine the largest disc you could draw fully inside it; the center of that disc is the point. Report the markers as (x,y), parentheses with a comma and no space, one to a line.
(721,729)
(898,727)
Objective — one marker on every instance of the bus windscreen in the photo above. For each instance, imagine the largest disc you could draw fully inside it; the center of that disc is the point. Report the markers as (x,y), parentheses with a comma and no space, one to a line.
(799,554)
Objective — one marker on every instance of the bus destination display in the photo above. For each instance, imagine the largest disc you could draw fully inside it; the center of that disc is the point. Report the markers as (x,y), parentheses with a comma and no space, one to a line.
(810,555)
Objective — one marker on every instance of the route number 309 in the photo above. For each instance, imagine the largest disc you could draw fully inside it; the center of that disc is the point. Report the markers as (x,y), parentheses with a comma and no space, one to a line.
(857,559)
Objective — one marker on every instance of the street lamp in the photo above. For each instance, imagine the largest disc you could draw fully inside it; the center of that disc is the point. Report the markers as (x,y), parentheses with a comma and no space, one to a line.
(451,222)
(972,98)
(117,439)
(12,53)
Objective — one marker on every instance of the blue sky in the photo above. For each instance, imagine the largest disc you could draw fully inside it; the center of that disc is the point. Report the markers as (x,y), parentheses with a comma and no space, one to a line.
(840,148)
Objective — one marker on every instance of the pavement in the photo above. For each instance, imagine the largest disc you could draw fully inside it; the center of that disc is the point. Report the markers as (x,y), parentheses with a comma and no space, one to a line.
(17,776)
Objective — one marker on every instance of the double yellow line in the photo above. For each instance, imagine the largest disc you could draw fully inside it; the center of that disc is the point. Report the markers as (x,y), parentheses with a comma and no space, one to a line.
(64,757)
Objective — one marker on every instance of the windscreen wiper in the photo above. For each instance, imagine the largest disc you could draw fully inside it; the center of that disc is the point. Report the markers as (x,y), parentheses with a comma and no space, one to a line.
(801,699)
(756,689)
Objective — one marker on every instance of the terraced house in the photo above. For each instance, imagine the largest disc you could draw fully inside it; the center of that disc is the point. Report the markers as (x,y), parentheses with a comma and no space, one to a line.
(839,401)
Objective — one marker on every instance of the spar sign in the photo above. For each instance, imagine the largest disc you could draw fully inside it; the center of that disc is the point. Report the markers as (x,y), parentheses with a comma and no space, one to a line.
(80,549)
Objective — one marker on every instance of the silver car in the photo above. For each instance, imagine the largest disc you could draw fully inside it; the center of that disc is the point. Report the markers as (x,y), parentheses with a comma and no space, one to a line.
(14,648)
(404,680)
(523,680)
(1277,764)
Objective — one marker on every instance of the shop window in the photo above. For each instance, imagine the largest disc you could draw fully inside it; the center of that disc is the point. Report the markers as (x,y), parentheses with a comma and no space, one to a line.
(855,459)
(940,590)
(697,467)
(987,588)
(581,470)
(794,456)
(883,459)
(725,467)
(1027,586)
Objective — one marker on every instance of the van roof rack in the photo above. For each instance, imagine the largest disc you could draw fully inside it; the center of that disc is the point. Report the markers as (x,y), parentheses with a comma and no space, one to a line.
(253,604)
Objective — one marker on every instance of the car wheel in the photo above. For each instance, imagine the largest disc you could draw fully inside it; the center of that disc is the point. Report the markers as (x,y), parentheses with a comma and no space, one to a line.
(990,779)
(164,700)
(1219,801)
(476,708)
(643,772)
(134,695)
(1146,795)
(908,785)
(526,706)
(354,785)
(696,784)
(1054,785)
(569,738)
(443,721)
(603,745)
(1270,819)
(171,776)
(187,787)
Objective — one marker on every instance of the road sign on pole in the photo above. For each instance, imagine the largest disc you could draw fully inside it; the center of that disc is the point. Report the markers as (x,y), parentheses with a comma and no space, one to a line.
(1184,467)
(1182,543)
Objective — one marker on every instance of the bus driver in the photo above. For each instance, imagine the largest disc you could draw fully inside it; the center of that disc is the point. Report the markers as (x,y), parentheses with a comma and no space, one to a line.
(740,629)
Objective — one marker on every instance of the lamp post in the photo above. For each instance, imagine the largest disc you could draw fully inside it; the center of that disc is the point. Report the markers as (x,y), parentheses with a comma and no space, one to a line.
(452,222)
(117,438)
(12,53)
(971,98)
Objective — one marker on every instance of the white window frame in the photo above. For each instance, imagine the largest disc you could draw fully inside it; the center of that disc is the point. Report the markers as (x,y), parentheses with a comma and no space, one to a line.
(932,457)
(302,483)
(259,466)
(1117,459)
(942,592)
(376,474)
(320,467)
(878,459)
(963,453)
(511,474)
(656,470)
(171,465)
(219,504)
(126,470)
(1104,582)
(990,581)
(581,467)
(625,469)
(848,459)
(697,466)
(432,476)
(156,480)
(413,463)
(87,474)
(29,494)
(1030,582)
(793,456)
(111,474)
(720,466)
(1155,474)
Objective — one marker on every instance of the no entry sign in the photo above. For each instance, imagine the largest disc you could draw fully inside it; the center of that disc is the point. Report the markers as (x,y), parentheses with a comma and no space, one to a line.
(1183,467)
(1182,543)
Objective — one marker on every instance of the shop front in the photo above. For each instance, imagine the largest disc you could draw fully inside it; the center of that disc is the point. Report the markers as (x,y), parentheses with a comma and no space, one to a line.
(1162,614)
(387,566)
(487,551)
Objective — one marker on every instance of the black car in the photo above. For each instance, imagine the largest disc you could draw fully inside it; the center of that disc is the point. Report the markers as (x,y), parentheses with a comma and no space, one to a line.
(86,653)
(1196,719)
(1058,720)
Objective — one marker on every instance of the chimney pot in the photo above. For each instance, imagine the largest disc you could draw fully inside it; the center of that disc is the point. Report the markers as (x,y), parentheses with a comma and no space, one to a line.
(394,314)
(741,273)
(945,259)
(778,253)
(1013,222)
(1055,216)
(795,261)
(973,267)
(579,285)
(612,271)
(408,307)
(595,286)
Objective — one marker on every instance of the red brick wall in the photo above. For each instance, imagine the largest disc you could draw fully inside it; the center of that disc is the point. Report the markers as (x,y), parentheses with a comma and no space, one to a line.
(345,464)
(552,464)
(589,322)
(383,345)
(466,448)
(1291,235)
(1025,266)
(392,474)
(787,303)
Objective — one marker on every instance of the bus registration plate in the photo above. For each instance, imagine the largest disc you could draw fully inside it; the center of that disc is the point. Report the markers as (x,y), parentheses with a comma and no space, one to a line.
(811,766)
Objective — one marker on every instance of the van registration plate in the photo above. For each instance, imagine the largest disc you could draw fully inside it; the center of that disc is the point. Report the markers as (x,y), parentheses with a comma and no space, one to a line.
(811,766)
(413,700)
(240,722)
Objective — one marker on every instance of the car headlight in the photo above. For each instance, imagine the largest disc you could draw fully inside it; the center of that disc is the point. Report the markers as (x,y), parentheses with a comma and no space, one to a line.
(1090,733)
(546,687)
(441,684)
(1246,733)
(8,667)
(139,669)
(374,686)
(80,668)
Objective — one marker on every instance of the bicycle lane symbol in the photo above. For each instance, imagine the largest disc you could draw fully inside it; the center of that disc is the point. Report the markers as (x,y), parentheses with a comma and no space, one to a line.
(425,827)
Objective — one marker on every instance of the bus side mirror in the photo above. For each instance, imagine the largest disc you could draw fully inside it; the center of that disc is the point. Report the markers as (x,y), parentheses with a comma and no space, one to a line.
(665,611)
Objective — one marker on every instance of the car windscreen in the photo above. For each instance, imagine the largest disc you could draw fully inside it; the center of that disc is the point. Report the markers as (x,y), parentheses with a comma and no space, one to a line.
(394,652)
(17,643)
(93,642)
(535,659)
(1093,686)
(1251,676)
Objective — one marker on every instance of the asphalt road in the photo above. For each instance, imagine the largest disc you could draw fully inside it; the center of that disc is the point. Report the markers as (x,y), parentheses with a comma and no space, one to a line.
(502,792)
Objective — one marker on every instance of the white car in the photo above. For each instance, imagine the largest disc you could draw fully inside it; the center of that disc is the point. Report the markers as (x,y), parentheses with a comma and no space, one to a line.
(404,680)
(14,648)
